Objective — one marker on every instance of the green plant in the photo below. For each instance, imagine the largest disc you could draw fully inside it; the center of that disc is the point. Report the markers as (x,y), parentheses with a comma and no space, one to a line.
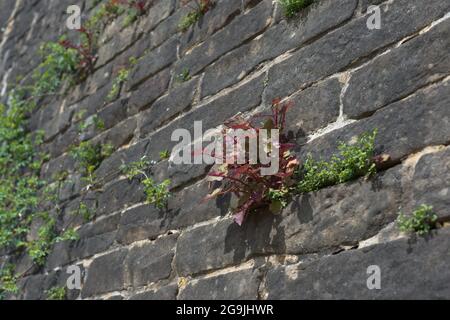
(352,162)
(184,76)
(89,157)
(157,194)
(422,220)
(163,155)
(56,293)
(68,235)
(39,248)
(136,168)
(118,82)
(8,281)
(79,115)
(199,10)
(85,52)
(134,11)
(60,175)
(20,164)
(94,121)
(278,198)
(59,64)
(84,211)
(292,7)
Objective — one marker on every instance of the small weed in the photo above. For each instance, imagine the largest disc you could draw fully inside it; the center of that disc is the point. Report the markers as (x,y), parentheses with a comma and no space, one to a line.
(421,222)
(352,162)
(134,169)
(85,53)
(134,11)
(59,65)
(199,10)
(39,248)
(164,155)
(184,76)
(8,281)
(157,194)
(292,7)
(118,82)
(84,211)
(56,293)
(79,115)
(68,235)
(89,157)
(94,121)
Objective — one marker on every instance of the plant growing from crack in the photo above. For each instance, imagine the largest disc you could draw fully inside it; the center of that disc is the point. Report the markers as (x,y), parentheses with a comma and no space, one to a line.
(292,7)
(120,80)
(56,293)
(353,161)
(156,193)
(85,52)
(198,10)
(422,220)
(164,155)
(95,121)
(89,156)
(8,281)
(252,189)
(184,76)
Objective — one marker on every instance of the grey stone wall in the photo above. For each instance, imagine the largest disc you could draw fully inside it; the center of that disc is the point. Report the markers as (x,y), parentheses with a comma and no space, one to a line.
(343,78)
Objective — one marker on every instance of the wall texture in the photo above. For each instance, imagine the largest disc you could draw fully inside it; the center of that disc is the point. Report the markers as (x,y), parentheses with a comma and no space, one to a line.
(343,78)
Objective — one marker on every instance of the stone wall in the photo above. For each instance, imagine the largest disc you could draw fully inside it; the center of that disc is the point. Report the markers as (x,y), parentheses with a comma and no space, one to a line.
(343,78)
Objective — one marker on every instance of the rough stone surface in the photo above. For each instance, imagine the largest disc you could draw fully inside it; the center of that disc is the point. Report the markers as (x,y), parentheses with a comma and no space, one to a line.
(374,86)
(275,41)
(425,121)
(106,273)
(344,276)
(168,292)
(339,49)
(342,78)
(240,29)
(150,262)
(237,285)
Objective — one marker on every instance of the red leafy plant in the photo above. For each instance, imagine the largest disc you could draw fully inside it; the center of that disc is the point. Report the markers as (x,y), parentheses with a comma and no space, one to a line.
(85,52)
(245,181)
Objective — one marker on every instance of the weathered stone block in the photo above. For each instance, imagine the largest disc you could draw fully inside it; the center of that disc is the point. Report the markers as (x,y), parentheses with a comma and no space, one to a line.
(153,62)
(118,195)
(168,292)
(150,262)
(105,274)
(222,13)
(235,285)
(276,40)
(400,72)
(239,30)
(148,92)
(354,41)
(212,114)
(409,270)
(167,107)
(425,121)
